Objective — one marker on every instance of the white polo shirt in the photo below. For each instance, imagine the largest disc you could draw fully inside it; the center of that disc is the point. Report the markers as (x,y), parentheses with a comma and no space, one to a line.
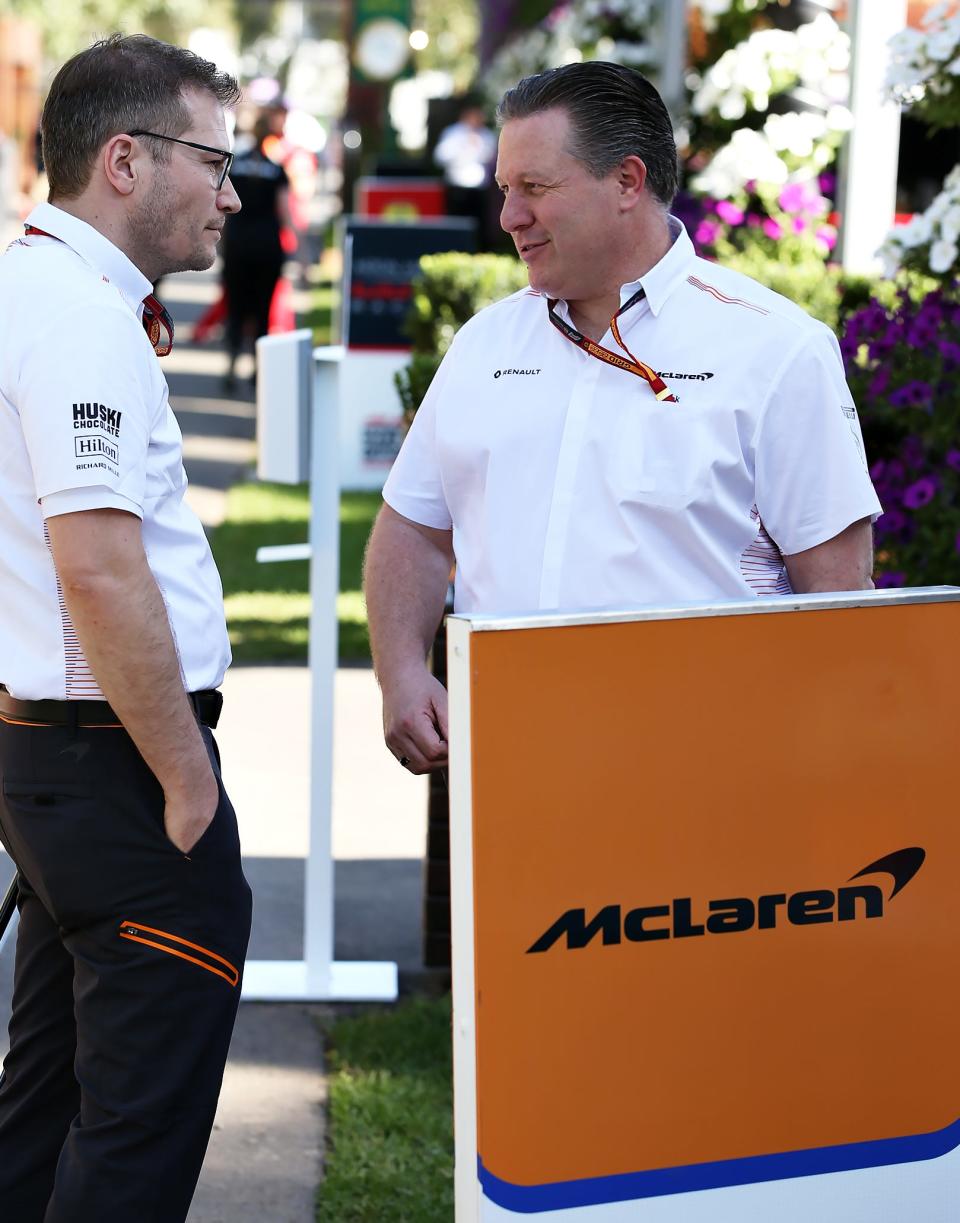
(569,486)
(85,423)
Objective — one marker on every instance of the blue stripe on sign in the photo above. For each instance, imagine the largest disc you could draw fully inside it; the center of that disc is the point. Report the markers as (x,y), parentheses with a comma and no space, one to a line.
(721,1174)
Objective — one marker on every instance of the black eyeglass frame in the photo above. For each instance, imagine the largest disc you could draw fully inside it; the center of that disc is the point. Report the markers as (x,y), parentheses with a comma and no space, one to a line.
(191,144)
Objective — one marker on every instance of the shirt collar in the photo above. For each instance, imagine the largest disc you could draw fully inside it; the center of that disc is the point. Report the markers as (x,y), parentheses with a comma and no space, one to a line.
(96,250)
(670,271)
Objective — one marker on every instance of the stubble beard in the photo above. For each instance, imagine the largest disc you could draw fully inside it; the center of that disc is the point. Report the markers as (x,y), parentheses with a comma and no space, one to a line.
(153,230)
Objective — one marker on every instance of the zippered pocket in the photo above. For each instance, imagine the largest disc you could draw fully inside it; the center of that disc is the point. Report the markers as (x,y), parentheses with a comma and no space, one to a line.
(173,944)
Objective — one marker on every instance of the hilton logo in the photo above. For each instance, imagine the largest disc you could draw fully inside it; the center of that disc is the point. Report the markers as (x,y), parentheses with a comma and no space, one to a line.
(95,444)
(736,914)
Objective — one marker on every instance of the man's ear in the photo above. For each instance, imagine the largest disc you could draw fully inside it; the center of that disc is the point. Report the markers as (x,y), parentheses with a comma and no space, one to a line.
(631,179)
(123,162)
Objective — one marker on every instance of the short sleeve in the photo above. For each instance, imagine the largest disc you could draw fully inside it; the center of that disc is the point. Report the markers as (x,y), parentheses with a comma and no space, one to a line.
(414,487)
(84,396)
(812,479)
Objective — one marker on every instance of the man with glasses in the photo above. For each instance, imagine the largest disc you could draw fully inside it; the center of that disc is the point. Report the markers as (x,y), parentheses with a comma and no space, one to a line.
(134,912)
(639,426)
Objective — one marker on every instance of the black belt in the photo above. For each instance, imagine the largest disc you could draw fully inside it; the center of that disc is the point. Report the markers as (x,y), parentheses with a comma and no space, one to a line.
(206,705)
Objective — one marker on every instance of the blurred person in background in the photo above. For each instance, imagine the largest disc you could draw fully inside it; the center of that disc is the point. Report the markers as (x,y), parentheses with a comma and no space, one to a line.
(253,252)
(466,152)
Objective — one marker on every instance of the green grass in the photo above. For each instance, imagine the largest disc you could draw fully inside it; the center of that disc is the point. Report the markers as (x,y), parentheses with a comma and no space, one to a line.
(390,1139)
(268,606)
(319,318)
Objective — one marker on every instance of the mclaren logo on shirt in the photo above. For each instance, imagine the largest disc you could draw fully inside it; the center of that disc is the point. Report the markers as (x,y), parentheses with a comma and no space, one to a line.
(503,373)
(682,918)
(666,374)
(97,416)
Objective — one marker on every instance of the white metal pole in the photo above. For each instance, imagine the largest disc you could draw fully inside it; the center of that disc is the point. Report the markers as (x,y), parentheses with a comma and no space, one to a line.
(868,187)
(324,584)
(673,55)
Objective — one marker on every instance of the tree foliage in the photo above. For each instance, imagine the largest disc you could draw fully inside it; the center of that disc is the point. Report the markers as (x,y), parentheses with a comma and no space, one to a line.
(68,28)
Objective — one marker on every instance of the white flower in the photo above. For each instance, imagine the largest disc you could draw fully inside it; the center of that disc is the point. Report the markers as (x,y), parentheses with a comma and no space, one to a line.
(936,14)
(839,119)
(733,106)
(950,223)
(748,157)
(943,255)
(941,46)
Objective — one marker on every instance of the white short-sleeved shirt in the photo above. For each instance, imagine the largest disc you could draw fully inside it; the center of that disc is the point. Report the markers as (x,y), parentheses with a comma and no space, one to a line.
(569,486)
(85,423)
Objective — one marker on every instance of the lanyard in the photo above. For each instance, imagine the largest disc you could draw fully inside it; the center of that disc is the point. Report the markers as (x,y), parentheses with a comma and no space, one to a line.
(155,317)
(632,366)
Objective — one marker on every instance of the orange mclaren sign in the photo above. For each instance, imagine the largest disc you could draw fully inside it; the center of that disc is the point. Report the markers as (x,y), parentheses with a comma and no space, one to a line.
(707,910)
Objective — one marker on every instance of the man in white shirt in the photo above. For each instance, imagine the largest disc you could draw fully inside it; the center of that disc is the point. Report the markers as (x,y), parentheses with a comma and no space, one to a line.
(134,912)
(639,426)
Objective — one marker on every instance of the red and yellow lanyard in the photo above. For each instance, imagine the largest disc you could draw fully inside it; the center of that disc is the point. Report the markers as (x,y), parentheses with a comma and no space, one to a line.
(156,319)
(632,366)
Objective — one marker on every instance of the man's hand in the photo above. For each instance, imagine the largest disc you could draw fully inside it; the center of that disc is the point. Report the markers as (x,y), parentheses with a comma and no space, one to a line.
(405,580)
(415,721)
(187,817)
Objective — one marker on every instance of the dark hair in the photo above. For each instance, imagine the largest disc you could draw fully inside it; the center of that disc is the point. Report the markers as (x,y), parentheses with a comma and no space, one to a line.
(120,83)
(614,113)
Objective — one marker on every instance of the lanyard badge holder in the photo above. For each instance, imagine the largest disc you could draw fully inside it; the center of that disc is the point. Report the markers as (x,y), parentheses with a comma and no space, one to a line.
(628,363)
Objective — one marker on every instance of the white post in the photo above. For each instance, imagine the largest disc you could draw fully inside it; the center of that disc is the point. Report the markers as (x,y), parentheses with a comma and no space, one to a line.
(324,584)
(317,977)
(869,163)
(673,55)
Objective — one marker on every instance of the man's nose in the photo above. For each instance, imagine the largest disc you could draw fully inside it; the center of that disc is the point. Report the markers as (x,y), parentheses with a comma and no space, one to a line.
(514,214)
(227,198)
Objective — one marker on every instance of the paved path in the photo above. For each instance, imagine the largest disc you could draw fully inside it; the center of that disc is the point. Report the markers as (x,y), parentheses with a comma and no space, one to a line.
(265,1155)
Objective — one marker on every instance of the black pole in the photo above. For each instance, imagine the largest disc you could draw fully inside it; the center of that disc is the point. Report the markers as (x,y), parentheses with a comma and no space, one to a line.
(8,906)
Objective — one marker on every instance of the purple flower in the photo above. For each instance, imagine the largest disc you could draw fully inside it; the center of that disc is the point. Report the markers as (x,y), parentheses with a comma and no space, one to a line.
(879,383)
(729,212)
(772,228)
(886,580)
(707,232)
(891,522)
(913,394)
(912,451)
(953,459)
(878,470)
(827,182)
(956,542)
(794,196)
(950,353)
(920,494)
(754,220)
(799,225)
(828,236)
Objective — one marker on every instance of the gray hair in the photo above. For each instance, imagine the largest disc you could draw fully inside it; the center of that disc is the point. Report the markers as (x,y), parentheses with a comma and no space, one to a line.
(120,83)
(614,113)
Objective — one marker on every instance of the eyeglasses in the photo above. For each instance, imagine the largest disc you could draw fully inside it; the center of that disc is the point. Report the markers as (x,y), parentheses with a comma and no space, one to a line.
(227,156)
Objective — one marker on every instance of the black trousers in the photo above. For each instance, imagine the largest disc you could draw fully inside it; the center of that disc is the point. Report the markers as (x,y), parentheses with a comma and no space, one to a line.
(127,980)
(249,284)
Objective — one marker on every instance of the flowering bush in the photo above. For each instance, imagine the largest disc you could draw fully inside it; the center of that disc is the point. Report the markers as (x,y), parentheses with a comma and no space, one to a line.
(903,367)
(924,75)
(739,87)
(815,56)
(924,69)
(790,225)
(930,242)
(615,30)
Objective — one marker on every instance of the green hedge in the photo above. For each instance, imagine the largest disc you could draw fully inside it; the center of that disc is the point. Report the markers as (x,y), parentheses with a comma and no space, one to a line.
(450,289)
